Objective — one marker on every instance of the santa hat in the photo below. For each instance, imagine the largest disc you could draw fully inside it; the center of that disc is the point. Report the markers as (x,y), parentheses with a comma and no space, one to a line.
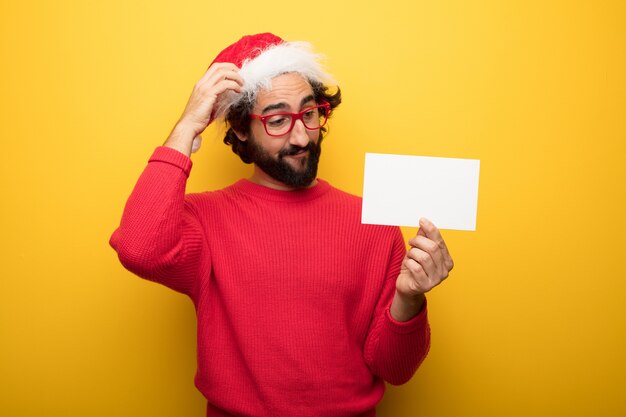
(262,57)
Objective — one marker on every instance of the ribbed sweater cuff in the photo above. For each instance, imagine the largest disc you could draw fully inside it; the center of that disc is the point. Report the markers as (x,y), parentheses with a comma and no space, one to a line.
(173,157)
(409,326)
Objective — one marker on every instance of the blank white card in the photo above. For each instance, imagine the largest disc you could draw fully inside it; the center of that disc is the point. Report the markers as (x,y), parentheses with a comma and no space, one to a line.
(399,189)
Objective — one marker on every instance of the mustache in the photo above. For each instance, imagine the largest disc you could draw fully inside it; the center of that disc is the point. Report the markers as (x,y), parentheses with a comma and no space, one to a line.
(294,149)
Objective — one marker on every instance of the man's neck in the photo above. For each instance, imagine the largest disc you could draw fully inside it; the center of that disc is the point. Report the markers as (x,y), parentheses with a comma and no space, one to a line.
(261,178)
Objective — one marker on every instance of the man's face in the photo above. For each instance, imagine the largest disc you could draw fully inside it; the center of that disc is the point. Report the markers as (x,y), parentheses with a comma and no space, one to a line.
(292,158)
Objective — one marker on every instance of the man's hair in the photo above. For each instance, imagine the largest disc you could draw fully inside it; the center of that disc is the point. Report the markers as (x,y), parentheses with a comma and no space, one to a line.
(238,118)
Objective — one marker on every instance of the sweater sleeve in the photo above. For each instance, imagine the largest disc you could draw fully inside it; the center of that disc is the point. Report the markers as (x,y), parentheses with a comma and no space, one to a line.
(394,350)
(159,237)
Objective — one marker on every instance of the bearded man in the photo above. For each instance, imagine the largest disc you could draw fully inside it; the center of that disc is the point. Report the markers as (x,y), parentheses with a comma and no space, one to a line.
(301,309)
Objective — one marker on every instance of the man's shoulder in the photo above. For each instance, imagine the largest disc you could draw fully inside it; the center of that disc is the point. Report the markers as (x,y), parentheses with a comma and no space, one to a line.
(211,195)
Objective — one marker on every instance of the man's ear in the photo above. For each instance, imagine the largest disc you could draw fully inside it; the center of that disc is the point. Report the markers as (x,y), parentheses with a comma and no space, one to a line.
(241,136)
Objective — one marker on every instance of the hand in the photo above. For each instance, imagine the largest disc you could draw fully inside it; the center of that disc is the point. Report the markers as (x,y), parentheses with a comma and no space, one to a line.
(426,264)
(198,114)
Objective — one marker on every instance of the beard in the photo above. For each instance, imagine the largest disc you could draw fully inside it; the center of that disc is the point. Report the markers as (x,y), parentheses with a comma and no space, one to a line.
(281,170)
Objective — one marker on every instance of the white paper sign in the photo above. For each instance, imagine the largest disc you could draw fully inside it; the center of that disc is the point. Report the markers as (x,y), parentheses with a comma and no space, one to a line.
(399,189)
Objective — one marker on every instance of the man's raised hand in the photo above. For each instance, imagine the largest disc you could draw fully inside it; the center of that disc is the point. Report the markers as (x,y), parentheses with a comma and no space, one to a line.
(200,108)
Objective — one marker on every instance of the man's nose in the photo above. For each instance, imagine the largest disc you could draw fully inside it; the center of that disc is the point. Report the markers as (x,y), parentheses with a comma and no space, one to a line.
(299,135)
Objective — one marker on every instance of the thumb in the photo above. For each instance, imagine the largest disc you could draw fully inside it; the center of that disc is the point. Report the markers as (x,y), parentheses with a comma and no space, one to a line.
(421,231)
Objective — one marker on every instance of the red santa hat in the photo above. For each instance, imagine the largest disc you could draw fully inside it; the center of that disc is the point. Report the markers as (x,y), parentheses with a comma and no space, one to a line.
(262,57)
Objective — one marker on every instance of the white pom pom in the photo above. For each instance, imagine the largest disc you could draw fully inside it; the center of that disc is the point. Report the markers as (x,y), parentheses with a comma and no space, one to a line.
(197,142)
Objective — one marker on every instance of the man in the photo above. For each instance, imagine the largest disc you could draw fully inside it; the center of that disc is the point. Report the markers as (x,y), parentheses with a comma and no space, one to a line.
(302,310)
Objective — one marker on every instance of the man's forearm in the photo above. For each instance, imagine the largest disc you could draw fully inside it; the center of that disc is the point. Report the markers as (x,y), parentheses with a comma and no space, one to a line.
(404,308)
(181,139)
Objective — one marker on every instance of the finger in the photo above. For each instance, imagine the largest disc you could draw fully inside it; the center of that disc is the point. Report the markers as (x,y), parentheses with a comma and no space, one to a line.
(431,231)
(224,85)
(208,94)
(425,260)
(217,67)
(220,89)
(220,77)
(200,107)
(207,83)
(227,65)
(417,274)
(425,244)
(236,77)
(439,252)
(429,246)
(226,74)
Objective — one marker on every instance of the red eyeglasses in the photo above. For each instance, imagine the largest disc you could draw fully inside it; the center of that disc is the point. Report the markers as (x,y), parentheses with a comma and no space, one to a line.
(279,124)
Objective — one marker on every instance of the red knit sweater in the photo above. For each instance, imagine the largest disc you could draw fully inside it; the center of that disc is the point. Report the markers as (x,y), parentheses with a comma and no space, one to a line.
(292,292)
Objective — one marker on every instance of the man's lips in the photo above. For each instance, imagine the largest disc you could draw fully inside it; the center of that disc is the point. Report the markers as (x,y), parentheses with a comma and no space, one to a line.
(296,153)
(300,154)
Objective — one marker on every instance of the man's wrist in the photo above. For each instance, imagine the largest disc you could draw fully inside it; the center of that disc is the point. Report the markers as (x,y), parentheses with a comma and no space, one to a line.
(404,307)
(181,138)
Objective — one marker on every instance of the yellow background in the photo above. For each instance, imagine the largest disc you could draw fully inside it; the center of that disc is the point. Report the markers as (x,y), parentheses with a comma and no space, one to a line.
(532,320)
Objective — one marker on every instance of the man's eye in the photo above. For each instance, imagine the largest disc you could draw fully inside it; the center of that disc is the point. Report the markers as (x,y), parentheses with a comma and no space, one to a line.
(310,114)
(276,121)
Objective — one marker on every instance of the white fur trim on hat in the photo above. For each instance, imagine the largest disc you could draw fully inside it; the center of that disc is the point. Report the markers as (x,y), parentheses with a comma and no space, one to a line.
(275,60)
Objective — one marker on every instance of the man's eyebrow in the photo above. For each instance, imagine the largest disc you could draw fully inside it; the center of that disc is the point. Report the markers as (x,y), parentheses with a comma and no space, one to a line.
(305,100)
(282,105)
(275,106)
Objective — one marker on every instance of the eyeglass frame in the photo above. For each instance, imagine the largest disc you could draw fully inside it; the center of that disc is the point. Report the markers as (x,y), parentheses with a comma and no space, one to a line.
(294,117)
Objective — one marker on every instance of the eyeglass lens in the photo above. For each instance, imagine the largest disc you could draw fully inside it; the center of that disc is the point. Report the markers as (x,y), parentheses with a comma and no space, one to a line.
(280,124)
